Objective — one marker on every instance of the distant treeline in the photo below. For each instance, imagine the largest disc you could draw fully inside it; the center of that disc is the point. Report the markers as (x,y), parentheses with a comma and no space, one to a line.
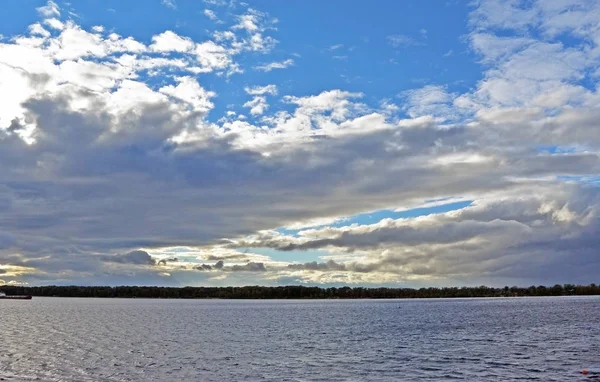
(296,292)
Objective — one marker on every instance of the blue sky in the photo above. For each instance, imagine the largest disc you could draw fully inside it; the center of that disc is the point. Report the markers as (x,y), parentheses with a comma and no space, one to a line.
(228,143)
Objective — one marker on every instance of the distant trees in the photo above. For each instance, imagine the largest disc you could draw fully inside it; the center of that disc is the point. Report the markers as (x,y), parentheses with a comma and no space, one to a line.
(297,292)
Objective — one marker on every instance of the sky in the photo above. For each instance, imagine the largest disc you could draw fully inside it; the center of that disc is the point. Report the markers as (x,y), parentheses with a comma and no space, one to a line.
(221,142)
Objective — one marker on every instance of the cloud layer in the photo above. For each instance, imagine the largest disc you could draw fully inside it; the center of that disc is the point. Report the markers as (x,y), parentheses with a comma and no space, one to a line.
(113,159)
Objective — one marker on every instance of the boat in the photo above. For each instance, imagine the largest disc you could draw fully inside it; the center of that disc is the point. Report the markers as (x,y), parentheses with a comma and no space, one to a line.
(3,296)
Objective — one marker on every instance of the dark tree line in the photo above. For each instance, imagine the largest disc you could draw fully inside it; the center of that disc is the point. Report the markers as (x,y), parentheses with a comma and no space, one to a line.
(296,292)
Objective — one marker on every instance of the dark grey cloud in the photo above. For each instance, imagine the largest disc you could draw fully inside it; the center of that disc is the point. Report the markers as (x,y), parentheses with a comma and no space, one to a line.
(15,125)
(220,266)
(133,257)
(315,266)
(248,267)
(165,261)
(203,267)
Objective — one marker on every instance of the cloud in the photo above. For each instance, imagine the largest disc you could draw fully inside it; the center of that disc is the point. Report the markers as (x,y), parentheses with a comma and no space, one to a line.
(398,40)
(248,267)
(433,100)
(55,23)
(133,257)
(169,41)
(39,30)
(237,256)
(13,283)
(219,266)
(169,4)
(503,14)
(251,31)
(166,261)
(6,240)
(203,267)
(212,56)
(49,10)
(338,103)
(275,65)
(249,22)
(258,105)
(211,15)
(525,71)
(190,92)
(314,266)
(261,90)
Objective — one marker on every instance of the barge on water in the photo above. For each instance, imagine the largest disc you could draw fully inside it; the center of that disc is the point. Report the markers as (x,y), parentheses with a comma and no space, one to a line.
(3,296)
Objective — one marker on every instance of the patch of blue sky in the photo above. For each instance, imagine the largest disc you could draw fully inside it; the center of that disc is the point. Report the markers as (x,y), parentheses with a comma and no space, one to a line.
(377,216)
(428,34)
(556,149)
(143,19)
(590,180)
(15,18)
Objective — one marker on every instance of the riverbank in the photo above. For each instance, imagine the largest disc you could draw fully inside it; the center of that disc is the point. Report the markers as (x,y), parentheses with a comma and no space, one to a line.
(297,292)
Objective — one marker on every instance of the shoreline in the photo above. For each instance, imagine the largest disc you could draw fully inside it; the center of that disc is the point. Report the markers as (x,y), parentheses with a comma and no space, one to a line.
(299,292)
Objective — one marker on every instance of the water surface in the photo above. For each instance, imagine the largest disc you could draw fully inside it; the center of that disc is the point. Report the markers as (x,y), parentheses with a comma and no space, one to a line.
(507,339)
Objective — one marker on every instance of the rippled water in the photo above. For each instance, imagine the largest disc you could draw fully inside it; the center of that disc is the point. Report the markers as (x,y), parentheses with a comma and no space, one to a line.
(59,339)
